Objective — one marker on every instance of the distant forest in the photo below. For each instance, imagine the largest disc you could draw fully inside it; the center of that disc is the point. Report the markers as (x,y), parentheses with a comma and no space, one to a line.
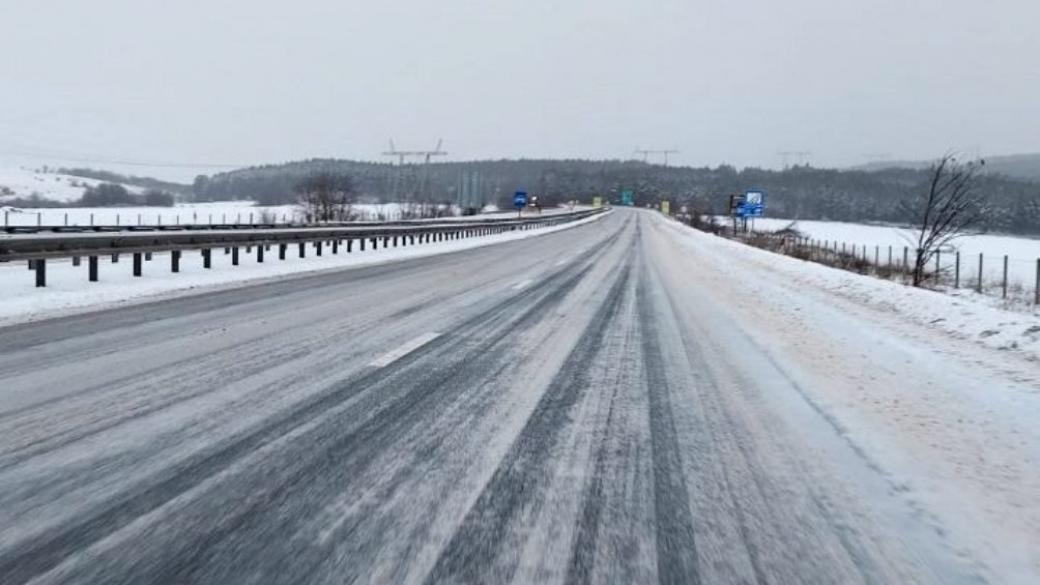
(796,193)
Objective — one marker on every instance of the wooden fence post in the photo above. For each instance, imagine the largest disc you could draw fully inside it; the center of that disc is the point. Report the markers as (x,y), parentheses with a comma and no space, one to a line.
(1004,293)
(978,288)
(1036,287)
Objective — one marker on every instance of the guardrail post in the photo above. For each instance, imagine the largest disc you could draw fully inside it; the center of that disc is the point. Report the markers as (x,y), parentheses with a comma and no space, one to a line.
(75,261)
(349,244)
(317,247)
(395,241)
(115,258)
(92,271)
(303,249)
(147,256)
(361,244)
(281,251)
(137,264)
(175,260)
(207,258)
(957,271)
(234,255)
(386,241)
(41,273)
(260,254)
(335,246)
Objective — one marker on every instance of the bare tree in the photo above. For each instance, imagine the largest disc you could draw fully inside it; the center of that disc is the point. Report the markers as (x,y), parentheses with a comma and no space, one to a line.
(950,206)
(326,196)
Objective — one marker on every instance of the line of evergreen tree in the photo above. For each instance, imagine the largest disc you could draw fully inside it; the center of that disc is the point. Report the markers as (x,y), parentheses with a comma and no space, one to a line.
(797,193)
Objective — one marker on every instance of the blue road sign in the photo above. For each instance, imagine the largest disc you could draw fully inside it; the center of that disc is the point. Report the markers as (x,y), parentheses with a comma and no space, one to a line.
(520,199)
(753,204)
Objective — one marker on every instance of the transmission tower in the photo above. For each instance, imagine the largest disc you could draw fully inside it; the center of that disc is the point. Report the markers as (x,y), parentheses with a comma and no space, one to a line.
(646,152)
(802,156)
(401,184)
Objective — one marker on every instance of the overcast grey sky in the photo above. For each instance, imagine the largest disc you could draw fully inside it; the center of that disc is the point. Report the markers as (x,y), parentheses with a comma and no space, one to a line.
(254,81)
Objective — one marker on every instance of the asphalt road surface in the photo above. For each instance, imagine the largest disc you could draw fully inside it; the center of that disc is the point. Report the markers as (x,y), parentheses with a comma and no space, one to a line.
(571,408)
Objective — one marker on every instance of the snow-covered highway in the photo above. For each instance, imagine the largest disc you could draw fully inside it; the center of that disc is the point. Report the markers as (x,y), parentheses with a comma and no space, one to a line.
(625,401)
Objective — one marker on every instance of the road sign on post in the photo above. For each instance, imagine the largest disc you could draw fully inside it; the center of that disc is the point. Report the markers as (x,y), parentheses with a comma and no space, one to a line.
(597,202)
(520,201)
(628,197)
(752,205)
(666,207)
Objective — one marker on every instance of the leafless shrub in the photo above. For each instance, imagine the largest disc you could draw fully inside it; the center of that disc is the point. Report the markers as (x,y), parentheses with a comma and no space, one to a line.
(950,206)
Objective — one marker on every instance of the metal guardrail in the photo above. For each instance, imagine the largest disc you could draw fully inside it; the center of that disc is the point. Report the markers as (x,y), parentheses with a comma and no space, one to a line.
(229,225)
(37,248)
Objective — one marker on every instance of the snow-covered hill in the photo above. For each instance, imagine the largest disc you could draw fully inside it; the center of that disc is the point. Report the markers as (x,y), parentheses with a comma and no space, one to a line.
(24,182)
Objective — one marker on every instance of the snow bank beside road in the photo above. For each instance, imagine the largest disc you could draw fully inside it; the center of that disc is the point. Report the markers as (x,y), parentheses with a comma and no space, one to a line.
(68,290)
(913,380)
(964,316)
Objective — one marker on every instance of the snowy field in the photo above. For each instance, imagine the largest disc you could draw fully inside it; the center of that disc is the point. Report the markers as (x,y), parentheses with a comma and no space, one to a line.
(221,212)
(1022,252)
(68,290)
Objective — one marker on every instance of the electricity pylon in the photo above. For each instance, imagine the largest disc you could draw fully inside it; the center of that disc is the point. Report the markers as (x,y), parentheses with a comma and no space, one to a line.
(662,151)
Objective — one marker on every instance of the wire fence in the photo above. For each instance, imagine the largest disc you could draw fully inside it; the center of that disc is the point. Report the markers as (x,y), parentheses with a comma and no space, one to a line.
(1004,276)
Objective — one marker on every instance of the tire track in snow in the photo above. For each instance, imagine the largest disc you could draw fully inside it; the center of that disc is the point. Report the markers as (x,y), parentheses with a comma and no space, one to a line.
(673,520)
(474,555)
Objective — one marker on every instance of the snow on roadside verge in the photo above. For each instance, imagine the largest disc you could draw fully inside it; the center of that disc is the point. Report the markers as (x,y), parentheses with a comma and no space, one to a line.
(962,316)
(68,291)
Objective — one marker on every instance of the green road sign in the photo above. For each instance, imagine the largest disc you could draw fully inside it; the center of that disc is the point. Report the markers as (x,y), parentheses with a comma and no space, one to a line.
(628,197)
